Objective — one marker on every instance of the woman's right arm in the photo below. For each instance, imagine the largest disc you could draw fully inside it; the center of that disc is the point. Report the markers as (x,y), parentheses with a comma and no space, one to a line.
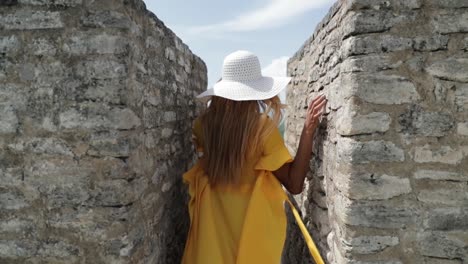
(292,174)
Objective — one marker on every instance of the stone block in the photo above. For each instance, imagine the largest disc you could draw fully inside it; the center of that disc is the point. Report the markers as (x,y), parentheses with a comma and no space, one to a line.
(462,129)
(369,244)
(350,123)
(355,152)
(26,19)
(106,19)
(440,154)
(461,97)
(117,192)
(8,119)
(64,3)
(453,68)
(449,218)
(450,21)
(440,175)
(372,21)
(383,89)
(371,186)
(432,43)
(445,245)
(109,144)
(100,69)
(48,146)
(14,199)
(14,249)
(99,117)
(10,45)
(416,121)
(170,116)
(382,4)
(360,45)
(370,63)
(81,43)
(106,90)
(43,46)
(375,214)
(447,3)
(444,193)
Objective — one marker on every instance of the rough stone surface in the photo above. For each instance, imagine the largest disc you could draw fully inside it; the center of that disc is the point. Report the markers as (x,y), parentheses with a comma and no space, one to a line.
(390,156)
(95,126)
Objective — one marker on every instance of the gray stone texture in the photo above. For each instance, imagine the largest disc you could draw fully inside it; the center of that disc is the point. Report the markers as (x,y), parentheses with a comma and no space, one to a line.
(388,178)
(95,125)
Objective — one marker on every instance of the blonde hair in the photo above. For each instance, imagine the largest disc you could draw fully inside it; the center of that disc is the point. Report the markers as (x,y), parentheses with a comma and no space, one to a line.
(233,132)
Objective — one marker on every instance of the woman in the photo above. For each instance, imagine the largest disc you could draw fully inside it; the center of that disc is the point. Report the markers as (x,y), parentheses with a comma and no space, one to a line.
(237,201)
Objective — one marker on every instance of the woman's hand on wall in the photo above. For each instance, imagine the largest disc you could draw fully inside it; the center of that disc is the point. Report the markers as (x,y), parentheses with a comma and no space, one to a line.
(314,113)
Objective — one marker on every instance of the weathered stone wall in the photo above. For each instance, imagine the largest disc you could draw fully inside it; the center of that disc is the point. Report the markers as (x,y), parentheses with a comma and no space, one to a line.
(96,104)
(389,177)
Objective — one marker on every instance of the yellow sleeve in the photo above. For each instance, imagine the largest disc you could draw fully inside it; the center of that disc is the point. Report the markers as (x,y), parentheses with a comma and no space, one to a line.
(275,153)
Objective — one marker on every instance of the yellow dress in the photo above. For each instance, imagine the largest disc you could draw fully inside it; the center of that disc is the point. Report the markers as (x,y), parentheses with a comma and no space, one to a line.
(245,223)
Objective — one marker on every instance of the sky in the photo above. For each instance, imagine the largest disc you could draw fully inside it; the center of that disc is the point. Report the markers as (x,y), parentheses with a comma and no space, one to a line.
(272,29)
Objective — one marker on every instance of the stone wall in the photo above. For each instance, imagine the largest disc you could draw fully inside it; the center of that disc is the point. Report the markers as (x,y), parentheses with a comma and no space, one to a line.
(389,175)
(96,104)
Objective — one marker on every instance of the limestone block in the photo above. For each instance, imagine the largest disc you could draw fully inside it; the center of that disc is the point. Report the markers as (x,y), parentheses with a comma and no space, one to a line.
(14,249)
(106,19)
(449,218)
(369,63)
(444,193)
(450,69)
(371,21)
(369,244)
(66,3)
(416,121)
(450,21)
(43,46)
(440,175)
(355,152)
(84,43)
(462,129)
(432,43)
(100,69)
(441,154)
(375,214)
(31,19)
(371,186)
(447,245)
(8,119)
(384,89)
(350,123)
(359,45)
(109,144)
(96,116)
(448,3)
(9,45)
(382,4)
(50,146)
(461,96)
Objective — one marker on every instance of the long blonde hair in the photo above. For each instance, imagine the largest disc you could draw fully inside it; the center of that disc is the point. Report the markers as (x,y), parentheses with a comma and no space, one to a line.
(233,132)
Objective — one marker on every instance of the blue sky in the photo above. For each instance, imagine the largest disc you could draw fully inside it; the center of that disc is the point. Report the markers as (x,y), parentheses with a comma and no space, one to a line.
(272,29)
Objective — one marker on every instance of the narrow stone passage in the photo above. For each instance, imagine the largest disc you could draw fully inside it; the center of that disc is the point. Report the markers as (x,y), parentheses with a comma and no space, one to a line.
(96,108)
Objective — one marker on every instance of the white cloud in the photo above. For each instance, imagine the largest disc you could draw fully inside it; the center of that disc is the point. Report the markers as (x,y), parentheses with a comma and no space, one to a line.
(275,13)
(278,67)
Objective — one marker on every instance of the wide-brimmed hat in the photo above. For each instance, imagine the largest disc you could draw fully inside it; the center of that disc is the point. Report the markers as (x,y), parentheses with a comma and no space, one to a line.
(242,80)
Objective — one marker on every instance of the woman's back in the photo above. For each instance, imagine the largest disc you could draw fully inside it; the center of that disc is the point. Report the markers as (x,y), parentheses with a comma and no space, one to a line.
(236,196)
(233,223)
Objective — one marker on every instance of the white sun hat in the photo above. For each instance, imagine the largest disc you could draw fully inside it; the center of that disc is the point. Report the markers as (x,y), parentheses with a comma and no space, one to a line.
(242,80)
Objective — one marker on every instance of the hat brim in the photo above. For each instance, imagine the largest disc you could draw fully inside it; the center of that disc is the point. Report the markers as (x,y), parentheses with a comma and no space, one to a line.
(260,89)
